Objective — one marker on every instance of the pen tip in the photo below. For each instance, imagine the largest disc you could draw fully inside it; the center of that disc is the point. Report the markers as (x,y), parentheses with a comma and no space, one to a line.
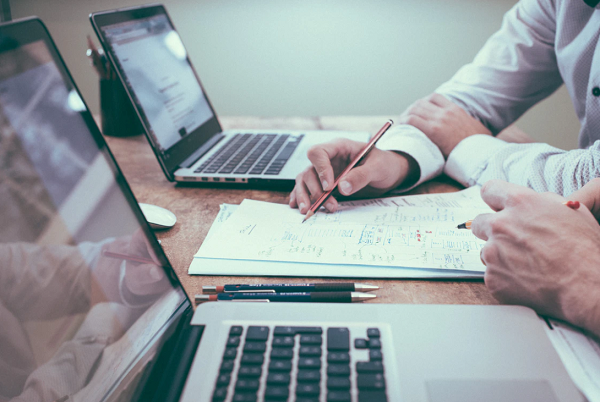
(308,215)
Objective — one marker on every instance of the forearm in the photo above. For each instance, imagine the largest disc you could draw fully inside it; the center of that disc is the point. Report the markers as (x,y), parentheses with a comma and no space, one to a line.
(540,167)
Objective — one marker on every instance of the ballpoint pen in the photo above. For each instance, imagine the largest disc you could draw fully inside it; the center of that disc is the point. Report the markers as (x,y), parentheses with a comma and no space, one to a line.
(370,145)
(571,204)
(296,297)
(289,287)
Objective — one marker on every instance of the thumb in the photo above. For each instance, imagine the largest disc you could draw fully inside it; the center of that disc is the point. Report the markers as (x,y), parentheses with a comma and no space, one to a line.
(589,195)
(356,179)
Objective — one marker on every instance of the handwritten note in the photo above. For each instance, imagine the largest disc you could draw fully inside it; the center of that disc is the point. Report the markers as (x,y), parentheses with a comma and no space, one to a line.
(411,231)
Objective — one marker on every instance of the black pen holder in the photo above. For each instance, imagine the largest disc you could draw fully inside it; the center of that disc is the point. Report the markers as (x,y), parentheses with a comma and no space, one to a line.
(118,118)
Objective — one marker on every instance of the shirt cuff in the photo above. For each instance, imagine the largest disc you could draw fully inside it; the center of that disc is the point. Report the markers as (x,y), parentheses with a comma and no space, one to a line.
(414,142)
(470,157)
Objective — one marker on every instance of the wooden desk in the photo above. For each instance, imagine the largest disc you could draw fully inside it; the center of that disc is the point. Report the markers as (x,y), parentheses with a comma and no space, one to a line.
(197,207)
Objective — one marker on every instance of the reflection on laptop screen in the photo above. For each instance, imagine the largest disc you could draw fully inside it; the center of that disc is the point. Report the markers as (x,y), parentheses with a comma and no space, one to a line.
(82,292)
(154,61)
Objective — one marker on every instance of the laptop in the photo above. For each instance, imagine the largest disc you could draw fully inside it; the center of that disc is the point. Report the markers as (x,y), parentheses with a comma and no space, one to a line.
(92,311)
(179,120)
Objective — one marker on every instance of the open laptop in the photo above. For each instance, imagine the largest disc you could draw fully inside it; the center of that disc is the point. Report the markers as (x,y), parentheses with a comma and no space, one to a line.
(179,120)
(92,311)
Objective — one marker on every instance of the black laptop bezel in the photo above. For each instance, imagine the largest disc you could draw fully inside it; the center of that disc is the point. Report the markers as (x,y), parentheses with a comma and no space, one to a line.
(184,148)
(21,32)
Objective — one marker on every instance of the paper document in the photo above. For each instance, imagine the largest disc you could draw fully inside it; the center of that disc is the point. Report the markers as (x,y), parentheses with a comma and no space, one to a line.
(410,231)
(580,354)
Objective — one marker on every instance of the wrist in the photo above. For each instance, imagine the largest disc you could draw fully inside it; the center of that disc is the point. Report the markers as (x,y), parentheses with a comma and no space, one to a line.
(580,308)
(409,170)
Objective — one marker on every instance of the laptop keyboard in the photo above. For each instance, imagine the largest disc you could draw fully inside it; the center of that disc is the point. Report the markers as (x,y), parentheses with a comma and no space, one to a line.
(302,364)
(251,153)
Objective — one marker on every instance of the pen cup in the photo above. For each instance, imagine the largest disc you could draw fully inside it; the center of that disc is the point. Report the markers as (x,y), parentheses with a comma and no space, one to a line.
(118,118)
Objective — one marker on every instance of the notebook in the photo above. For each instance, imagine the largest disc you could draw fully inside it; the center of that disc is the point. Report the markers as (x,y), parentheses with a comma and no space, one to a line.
(179,120)
(92,310)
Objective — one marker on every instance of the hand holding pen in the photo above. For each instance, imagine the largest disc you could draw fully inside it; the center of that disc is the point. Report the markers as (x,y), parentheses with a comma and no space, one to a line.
(375,174)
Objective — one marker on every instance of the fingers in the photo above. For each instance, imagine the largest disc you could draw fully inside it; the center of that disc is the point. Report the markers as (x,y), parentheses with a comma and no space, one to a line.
(589,195)
(499,194)
(439,100)
(416,121)
(307,190)
(320,156)
(481,226)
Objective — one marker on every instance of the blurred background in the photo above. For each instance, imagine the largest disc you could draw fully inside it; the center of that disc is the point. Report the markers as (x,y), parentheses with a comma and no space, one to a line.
(315,57)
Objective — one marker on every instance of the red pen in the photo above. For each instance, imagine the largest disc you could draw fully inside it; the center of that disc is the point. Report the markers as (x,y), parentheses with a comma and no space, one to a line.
(315,207)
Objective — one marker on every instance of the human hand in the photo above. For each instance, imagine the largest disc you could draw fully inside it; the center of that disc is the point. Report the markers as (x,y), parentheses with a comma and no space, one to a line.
(445,123)
(379,172)
(540,253)
(139,279)
(589,195)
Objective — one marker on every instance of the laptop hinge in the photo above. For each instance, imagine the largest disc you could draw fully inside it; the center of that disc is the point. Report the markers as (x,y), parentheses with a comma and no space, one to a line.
(193,158)
(170,368)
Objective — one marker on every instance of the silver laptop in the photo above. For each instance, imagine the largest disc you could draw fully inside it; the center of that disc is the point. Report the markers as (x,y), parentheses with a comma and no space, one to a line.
(179,121)
(92,311)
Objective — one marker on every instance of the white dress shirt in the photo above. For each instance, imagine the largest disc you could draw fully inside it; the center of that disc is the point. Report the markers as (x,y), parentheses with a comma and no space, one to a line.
(541,45)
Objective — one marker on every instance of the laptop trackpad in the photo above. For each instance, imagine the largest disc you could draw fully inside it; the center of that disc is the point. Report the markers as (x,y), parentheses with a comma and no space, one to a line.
(489,391)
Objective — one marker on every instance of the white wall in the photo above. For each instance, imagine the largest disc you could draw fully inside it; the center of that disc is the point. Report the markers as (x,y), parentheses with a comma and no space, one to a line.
(315,57)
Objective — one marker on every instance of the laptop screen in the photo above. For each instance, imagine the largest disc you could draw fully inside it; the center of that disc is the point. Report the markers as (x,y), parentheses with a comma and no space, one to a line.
(154,65)
(83,292)
(154,60)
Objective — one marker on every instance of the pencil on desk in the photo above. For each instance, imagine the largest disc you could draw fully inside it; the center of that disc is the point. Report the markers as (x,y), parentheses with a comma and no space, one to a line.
(370,145)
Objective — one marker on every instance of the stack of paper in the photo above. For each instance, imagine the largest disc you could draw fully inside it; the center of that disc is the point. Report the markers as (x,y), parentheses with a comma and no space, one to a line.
(410,237)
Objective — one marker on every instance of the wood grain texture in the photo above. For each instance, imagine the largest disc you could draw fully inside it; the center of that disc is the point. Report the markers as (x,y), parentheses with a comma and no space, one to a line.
(196,207)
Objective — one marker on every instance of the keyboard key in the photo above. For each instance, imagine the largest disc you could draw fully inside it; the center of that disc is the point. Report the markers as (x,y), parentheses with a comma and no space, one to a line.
(338,339)
(338,383)
(374,343)
(308,376)
(372,396)
(338,357)
(280,365)
(250,371)
(370,381)
(282,353)
(373,333)
(226,366)
(338,396)
(338,370)
(375,355)
(291,331)
(246,385)
(244,397)
(360,343)
(252,359)
(236,330)
(233,341)
(369,367)
(308,389)
(257,334)
(223,380)
(311,339)
(307,351)
(309,363)
(220,394)
(255,347)
(276,393)
(278,379)
(230,353)
(283,342)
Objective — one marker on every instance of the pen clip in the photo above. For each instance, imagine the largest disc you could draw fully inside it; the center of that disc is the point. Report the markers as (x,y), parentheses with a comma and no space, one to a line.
(251,291)
(250,300)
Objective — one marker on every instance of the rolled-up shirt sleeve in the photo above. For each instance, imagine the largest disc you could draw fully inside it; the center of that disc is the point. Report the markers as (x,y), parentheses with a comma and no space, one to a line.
(516,68)
(480,158)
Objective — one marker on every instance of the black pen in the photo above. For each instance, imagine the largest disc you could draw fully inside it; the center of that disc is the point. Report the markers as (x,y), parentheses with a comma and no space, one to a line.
(295,297)
(289,287)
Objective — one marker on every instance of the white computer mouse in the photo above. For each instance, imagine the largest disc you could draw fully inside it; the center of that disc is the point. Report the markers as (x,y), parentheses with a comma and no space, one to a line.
(158,217)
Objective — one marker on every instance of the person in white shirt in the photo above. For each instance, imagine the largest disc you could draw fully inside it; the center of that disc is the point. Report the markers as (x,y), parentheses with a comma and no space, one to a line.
(541,45)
